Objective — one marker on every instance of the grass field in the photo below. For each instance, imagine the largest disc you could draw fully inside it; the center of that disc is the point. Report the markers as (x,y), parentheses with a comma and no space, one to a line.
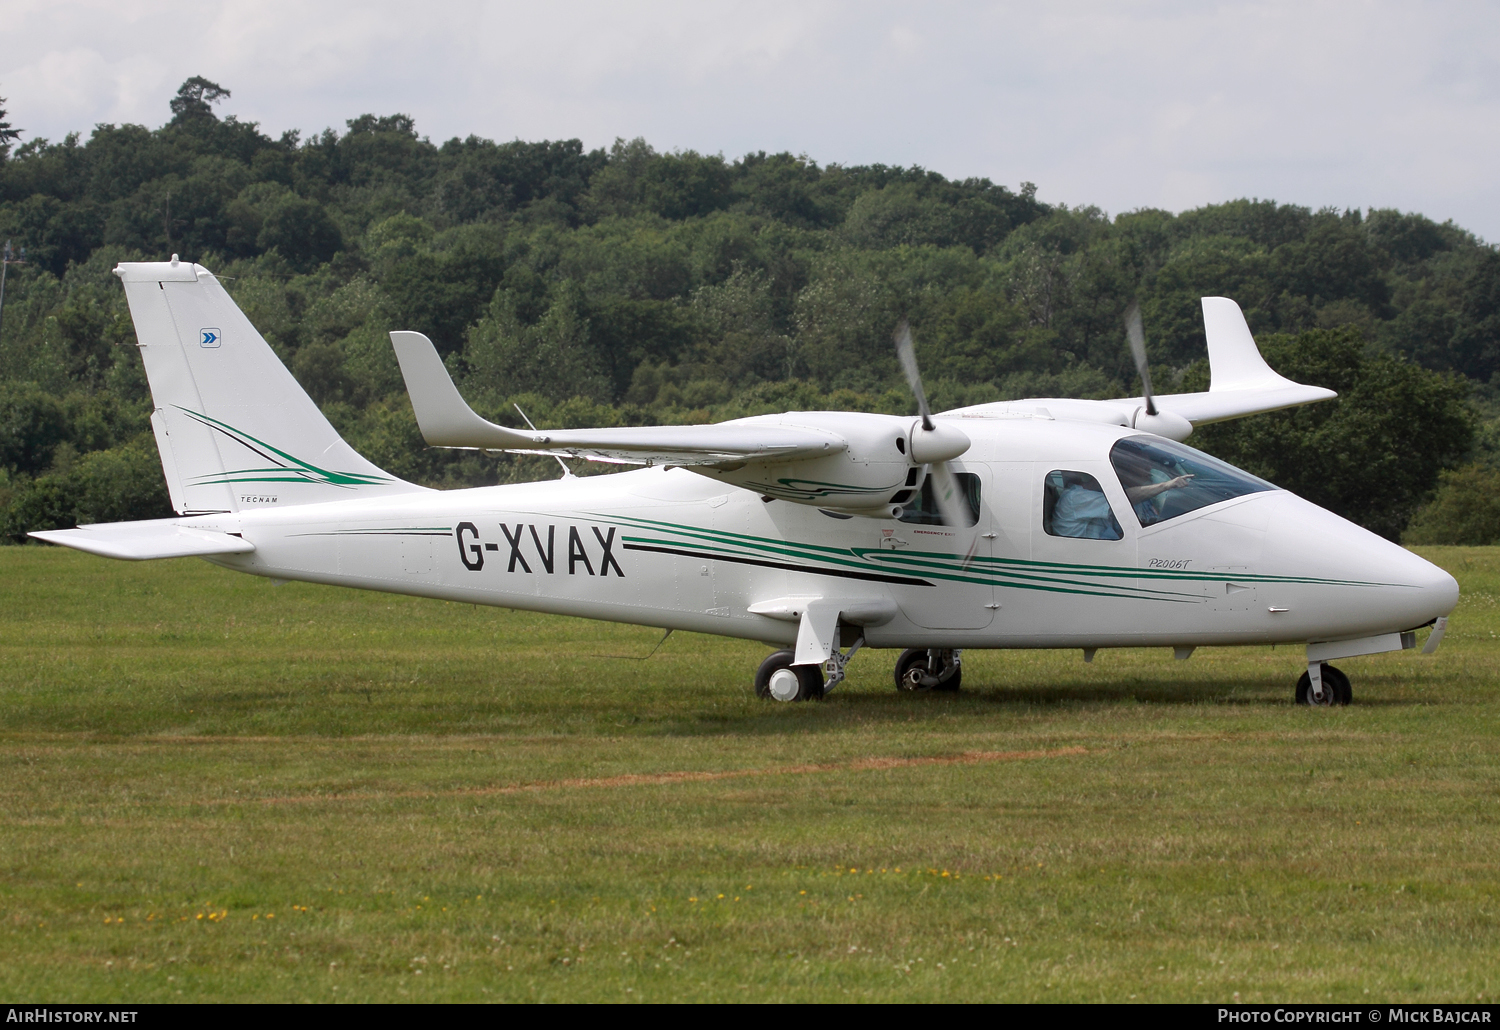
(219,789)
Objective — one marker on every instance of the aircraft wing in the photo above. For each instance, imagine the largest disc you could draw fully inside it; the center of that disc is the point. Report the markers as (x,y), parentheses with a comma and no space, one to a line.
(139,541)
(1241,383)
(1221,405)
(446,420)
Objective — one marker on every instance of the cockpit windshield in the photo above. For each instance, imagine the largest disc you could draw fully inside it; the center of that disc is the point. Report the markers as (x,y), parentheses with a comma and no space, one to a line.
(1164,479)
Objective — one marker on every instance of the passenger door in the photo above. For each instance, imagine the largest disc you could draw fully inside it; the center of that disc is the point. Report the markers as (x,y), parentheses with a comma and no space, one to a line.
(963,595)
(1087,580)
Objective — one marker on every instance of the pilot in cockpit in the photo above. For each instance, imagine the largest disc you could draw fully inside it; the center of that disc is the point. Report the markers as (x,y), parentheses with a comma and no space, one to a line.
(1144,481)
(1076,506)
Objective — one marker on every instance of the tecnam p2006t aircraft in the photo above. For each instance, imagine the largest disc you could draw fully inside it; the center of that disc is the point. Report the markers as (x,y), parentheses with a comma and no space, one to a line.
(1047,523)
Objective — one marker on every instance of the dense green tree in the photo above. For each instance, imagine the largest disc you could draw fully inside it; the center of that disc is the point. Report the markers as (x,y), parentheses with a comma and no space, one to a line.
(33,423)
(1466,510)
(195,99)
(113,485)
(553,358)
(301,231)
(441,289)
(639,180)
(1476,340)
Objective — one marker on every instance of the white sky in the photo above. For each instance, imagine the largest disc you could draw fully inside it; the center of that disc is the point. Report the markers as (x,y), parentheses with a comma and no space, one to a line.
(1121,104)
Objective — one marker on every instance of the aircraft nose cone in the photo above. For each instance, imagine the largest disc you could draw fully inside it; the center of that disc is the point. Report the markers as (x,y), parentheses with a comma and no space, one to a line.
(1345,581)
(1432,591)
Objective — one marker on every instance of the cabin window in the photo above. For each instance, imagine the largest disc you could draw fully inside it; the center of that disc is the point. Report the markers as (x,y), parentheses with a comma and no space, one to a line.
(1074,504)
(1164,479)
(922,509)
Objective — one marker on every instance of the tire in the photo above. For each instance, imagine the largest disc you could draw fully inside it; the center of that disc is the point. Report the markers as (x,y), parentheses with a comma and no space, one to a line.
(1336,689)
(807,684)
(915,660)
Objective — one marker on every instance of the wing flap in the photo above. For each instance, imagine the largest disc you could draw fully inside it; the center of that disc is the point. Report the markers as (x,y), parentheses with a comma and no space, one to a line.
(446,420)
(141,541)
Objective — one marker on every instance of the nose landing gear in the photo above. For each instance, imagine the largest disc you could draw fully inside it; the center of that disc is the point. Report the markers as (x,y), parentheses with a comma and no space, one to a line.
(1331,689)
(921,668)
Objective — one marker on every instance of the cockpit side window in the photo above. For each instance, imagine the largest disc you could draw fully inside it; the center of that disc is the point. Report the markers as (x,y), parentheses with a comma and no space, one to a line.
(1074,504)
(922,509)
(1164,479)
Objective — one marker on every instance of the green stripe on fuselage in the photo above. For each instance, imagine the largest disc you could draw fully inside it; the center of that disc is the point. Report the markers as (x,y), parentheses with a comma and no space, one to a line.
(1017,573)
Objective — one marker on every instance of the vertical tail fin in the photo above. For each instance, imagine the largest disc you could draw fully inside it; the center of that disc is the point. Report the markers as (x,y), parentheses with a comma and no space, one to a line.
(234,429)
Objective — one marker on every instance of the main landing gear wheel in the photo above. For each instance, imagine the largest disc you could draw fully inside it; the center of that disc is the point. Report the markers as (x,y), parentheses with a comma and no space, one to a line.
(779,680)
(1336,689)
(921,668)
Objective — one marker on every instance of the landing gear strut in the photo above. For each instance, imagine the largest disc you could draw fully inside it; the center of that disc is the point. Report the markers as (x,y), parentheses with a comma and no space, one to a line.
(833,669)
(921,668)
(1331,689)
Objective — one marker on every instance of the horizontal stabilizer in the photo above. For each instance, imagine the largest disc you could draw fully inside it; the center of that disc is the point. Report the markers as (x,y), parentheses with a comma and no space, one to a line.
(446,420)
(138,541)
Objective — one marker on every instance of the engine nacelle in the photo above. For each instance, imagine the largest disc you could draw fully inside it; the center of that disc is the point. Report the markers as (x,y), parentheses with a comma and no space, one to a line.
(876,471)
(1163,423)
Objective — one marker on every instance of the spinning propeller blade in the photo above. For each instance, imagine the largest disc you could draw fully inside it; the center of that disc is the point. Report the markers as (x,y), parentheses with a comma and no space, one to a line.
(1137,334)
(943,439)
(907,355)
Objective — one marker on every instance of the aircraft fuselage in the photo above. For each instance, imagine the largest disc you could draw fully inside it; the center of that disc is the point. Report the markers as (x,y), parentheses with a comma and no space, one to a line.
(672,549)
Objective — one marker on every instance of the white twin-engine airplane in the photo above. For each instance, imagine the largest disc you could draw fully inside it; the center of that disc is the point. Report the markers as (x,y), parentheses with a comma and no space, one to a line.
(1047,523)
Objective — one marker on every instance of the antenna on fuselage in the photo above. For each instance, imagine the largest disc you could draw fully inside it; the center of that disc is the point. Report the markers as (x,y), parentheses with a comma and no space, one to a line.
(567,472)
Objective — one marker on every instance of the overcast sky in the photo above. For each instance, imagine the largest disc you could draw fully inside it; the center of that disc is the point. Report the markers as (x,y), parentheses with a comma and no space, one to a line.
(1117,104)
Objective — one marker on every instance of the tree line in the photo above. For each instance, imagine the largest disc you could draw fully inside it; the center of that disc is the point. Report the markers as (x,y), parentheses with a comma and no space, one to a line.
(629,286)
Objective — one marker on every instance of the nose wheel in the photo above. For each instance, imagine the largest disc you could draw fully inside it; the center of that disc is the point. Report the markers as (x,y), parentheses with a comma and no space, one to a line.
(1335,689)
(778,679)
(922,668)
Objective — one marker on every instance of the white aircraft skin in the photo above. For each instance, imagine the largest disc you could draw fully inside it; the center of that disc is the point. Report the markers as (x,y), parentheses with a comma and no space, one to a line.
(704,547)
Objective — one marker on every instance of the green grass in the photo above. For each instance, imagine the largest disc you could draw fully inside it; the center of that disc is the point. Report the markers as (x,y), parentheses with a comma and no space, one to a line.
(188,753)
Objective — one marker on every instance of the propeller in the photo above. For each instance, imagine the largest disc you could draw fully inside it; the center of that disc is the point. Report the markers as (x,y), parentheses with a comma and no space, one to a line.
(1137,334)
(907,355)
(934,444)
(1149,419)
